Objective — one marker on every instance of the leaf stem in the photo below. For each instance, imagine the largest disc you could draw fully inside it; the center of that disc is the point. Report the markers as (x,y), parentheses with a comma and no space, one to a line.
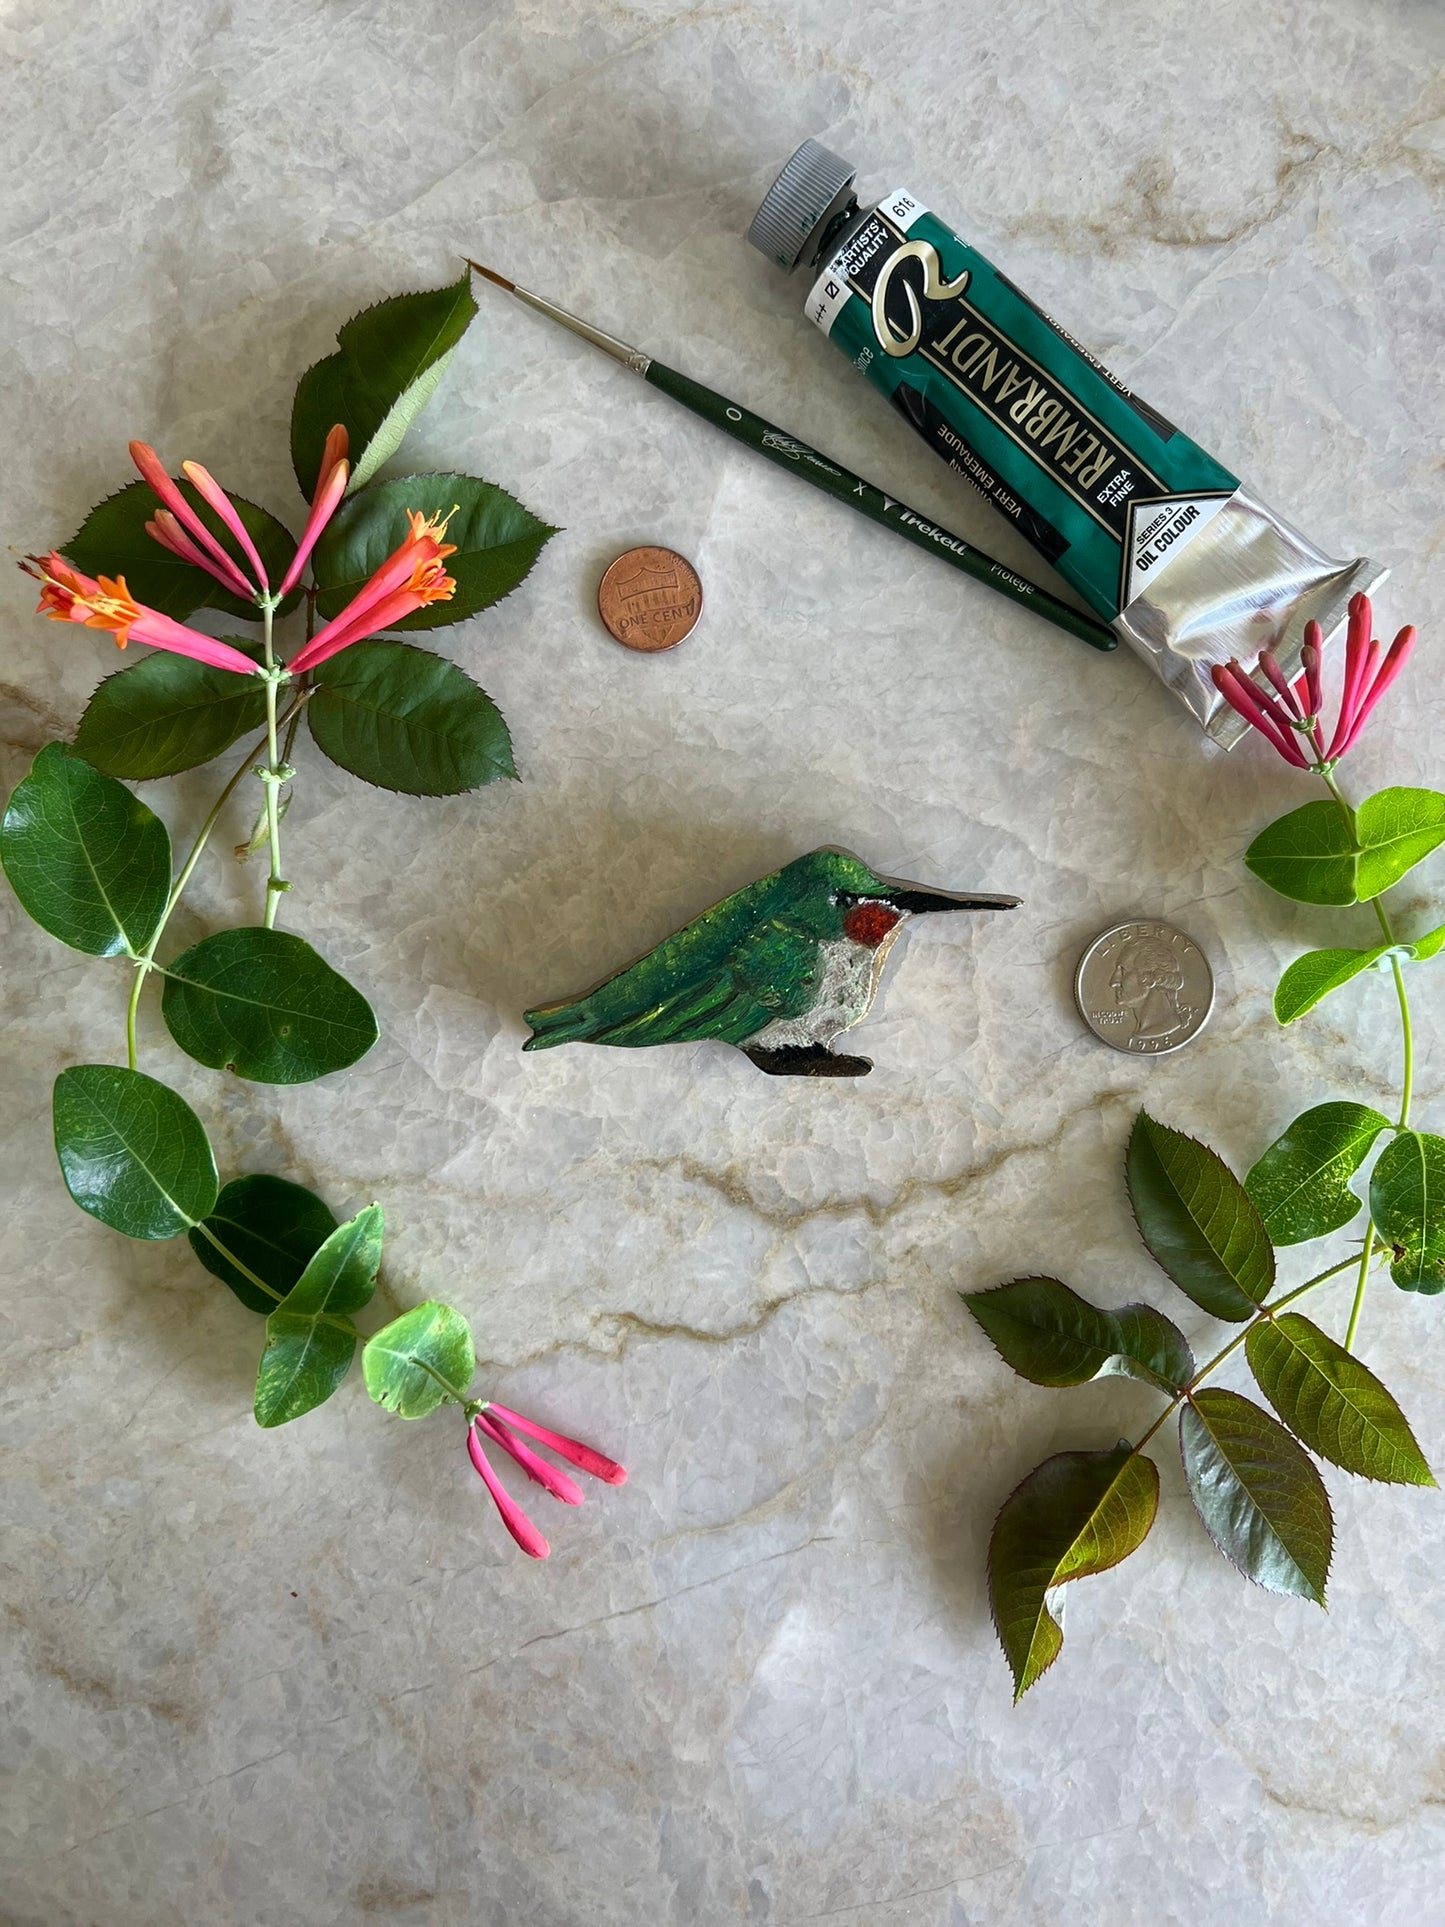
(245,1270)
(458,1398)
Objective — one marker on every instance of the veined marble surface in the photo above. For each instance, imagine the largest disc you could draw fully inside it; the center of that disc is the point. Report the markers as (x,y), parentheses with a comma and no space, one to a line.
(304,1677)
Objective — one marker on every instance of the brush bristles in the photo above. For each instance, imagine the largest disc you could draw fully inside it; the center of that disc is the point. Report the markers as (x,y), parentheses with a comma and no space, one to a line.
(488,274)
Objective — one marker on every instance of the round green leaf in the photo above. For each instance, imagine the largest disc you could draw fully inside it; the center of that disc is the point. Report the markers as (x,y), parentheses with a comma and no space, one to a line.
(1332,1403)
(407,720)
(112,541)
(167,713)
(132,1153)
(394,1360)
(1051,1336)
(1308,855)
(1076,1514)
(496,541)
(263,1004)
(1407,1203)
(389,360)
(1301,1186)
(304,1362)
(1196,1218)
(1261,1500)
(89,862)
(1316,974)
(273,1227)
(1397,829)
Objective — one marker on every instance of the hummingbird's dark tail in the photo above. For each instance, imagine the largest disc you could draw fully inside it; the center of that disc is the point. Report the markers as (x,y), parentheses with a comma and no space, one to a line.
(920,901)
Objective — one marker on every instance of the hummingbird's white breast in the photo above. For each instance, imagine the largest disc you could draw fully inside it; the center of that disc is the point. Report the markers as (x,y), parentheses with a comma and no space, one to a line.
(847,984)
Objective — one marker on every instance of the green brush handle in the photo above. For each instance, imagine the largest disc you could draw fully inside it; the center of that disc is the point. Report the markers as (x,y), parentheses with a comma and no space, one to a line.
(775,445)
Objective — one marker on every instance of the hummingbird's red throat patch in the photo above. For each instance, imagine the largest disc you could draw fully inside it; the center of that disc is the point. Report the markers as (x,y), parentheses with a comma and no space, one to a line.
(869,923)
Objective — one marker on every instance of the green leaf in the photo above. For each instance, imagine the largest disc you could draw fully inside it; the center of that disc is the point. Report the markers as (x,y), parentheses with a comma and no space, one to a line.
(394,1359)
(1076,1514)
(407,720)
(1316,974)
(112,541)
(1261,1500)
(1332,1403)
(1308,855)
(263,1004)
(88,861)
(132,1153)
(496,542)
(1397,829)
(1196,1218)
(167,713)
(1407,1203)
(1429,945)
(389,360)
(1301,1186)
(1051,1336)
(273,1226)
(309,1339)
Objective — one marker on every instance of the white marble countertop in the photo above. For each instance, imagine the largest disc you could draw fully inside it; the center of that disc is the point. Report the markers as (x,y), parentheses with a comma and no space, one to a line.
(303,1677)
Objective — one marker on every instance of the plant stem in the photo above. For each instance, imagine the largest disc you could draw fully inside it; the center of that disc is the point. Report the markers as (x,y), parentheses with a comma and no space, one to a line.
(245,1270)
(272,778)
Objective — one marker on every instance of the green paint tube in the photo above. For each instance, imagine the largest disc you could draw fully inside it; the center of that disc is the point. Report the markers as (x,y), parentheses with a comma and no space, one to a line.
(1160,539)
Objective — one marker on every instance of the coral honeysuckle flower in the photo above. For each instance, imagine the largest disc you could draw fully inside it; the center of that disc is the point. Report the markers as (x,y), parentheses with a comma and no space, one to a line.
(331,480)
(501,1427)
(178,528)
(411,577)
(68,595)
(1292,714)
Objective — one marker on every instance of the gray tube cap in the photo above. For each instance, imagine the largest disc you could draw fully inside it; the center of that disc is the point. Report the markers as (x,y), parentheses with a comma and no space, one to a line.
(812,188)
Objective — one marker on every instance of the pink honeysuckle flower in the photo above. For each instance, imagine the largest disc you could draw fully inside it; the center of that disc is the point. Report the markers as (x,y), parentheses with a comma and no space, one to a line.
(1291,715)
(68,595)
(165,529)
(331,483)
(500,1427)
(222,566)
(411,577)
(210,490)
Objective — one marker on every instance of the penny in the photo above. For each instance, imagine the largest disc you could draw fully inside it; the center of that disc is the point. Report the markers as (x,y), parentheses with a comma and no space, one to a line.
(650,599)
(1144,987)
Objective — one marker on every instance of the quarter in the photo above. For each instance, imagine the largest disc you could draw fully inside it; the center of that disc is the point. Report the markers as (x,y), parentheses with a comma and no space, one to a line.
(650,599)
(1144,988)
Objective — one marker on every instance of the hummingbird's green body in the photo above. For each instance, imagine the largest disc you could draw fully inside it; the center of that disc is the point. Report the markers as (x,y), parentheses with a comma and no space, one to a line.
(780,968)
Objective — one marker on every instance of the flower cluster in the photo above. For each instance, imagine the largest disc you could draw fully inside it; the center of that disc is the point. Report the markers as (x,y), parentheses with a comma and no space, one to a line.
(500,1428)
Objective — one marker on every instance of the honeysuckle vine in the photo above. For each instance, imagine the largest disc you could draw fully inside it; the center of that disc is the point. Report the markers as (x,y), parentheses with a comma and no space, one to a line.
(1249,1471)
(92,864)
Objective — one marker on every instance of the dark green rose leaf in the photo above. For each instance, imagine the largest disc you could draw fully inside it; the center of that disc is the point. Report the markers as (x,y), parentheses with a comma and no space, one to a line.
(273,1226)
(1308,855)
(1332,1403)
(1397,829)
(1315,975)
(1261,1500)
(388,362)
(407,720)
(132,1153)
(496,542)
(168,713)
(88,861)
(1076,1514)
(394,1362)
(112,541)
(263,1004)
(1196,1218)
(1407,1203)
(309,1339)
(1301,1186)
(1051,1336)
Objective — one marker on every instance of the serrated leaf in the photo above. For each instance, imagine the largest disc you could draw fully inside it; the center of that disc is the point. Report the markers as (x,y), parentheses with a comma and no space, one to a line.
(263,1004)
(1075,1515)
(1397,828)
(112,541)
(1308,855)
(389,360)
(495,538)
(407,720)
(1333,1403)
(309,1339)
(1051,1336)
(1261,1500)
(1407,1203)
(168,713)
(1197,1220)
(132,1152)
(1301,1186)
(88,861)
(395,1359)
(1313,976)
(273,1226)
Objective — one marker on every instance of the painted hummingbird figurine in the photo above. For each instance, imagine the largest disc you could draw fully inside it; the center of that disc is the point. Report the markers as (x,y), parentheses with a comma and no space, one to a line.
(780,969)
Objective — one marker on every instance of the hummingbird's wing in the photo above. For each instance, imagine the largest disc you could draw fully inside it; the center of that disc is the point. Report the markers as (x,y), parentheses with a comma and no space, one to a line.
(771,971)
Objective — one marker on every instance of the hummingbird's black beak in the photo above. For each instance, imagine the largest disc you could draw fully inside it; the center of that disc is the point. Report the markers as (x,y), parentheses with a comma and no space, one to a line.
(908,897)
